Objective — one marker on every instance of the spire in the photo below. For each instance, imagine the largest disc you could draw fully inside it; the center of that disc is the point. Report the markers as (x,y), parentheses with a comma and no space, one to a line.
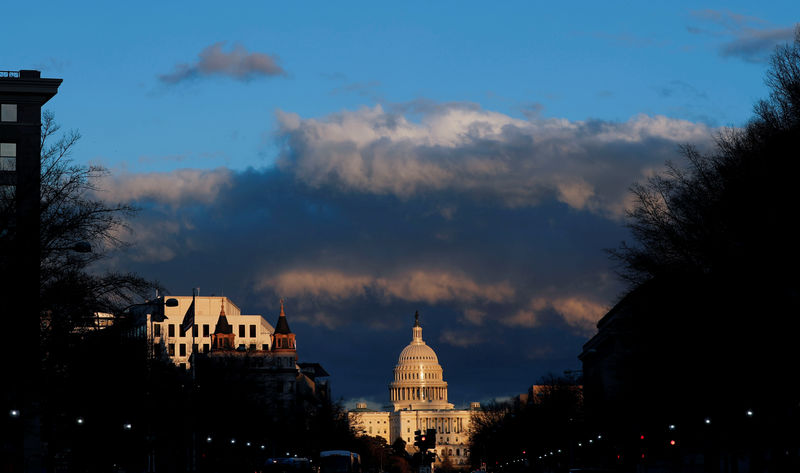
(282,326)
(222,321)
(283,340)
(417,331)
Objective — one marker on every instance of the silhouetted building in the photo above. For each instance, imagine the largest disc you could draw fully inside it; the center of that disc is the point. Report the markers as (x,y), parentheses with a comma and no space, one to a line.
(22,94)
(678,359)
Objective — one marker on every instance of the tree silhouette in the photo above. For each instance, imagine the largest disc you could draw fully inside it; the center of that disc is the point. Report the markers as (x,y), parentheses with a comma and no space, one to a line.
(729,212)
(714,291)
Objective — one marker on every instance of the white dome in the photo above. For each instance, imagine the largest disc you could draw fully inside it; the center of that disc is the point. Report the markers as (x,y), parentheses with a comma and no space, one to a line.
(418,381)
(416,353)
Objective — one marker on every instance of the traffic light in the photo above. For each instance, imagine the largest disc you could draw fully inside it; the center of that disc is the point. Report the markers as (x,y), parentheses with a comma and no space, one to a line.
(430,439)
(418,439)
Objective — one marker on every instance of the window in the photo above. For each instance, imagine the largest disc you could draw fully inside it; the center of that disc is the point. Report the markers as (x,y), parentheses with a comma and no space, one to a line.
(8,112)
(194,348)
(171,349)
(205,348)
(8,156)
(252,347)
(253,331)
(205,330)
(171,330)
(264,346)
(194,330)
(156,330)
(182,348)
(241,330)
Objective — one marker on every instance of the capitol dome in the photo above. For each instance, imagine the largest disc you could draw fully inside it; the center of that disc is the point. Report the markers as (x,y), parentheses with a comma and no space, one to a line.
(418,381)
(417,354)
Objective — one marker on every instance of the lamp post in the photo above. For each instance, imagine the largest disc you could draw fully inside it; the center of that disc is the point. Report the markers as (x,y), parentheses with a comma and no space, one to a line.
(159,303)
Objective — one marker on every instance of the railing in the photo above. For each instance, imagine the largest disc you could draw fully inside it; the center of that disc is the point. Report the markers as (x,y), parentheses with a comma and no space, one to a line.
(9,74)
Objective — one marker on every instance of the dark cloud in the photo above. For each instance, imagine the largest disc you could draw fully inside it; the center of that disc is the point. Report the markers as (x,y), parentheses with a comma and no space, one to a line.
(355,257)
(237,64)
(354,268)
(533,111)
(749,38)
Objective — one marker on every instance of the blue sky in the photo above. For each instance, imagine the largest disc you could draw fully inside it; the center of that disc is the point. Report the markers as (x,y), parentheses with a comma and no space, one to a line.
(365,160)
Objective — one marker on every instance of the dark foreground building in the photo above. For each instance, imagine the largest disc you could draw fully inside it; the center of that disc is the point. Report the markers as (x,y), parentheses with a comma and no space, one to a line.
(689,375)
(22,94)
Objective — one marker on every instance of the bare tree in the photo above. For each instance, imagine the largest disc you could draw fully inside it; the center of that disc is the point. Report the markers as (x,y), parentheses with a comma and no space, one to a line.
(727,213)
(73,218)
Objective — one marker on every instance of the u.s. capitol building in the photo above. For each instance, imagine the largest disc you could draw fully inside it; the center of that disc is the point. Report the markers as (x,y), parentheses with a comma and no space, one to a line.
(418,393)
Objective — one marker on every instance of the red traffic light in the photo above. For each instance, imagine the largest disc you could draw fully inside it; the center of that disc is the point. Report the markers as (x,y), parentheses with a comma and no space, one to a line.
(422,438)
(641,437)
(672,442)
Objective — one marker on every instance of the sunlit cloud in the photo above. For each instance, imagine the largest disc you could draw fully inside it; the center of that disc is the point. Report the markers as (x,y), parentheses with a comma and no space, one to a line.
(578,312)
(418,285)
(481,155)
(183,186)
(475,316)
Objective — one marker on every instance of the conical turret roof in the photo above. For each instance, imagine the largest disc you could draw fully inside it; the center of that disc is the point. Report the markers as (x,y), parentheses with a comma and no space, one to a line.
(282,326)
(223,327)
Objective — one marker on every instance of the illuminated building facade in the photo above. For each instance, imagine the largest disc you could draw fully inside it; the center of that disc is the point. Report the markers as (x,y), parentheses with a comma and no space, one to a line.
(418,393)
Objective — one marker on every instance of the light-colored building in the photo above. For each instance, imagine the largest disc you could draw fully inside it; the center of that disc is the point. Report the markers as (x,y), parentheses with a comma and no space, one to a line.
(247,344)
(418,393)
(252,332)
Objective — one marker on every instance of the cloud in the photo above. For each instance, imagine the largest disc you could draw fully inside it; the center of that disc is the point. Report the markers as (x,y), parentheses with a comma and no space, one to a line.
(181,187)
(749,38)
(533,111)
(480,154)
(354,266)
(475,316)
(431,287)
(461,338)
(529,316)
(681,88)
(237,64)
(578,312)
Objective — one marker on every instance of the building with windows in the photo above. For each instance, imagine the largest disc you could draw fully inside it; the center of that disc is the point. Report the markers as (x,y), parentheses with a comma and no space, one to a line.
(215,319)
(418,395)
(22,95)
(247,345)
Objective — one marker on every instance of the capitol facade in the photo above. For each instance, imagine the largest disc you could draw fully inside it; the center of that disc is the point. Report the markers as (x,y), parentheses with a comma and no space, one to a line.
(418,395)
